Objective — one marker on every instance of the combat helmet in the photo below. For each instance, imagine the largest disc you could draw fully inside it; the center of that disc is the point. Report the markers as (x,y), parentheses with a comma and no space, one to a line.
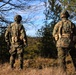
(65,14)
(18,18)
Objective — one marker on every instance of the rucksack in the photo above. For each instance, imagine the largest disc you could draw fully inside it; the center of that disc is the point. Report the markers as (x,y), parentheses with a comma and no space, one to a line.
(65,34)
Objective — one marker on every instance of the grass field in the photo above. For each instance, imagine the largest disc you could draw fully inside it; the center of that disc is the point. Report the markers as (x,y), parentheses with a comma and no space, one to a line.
(39,66)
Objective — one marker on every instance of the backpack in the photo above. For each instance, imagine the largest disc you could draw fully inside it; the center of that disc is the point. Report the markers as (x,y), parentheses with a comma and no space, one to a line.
(65,34)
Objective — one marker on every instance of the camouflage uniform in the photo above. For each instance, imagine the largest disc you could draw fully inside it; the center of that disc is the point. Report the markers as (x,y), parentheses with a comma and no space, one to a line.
(15,37)
(63,33)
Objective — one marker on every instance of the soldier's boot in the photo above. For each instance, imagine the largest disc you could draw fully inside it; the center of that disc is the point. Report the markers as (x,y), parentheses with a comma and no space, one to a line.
(21,66)
(20,61)
(12,61)
(11,66)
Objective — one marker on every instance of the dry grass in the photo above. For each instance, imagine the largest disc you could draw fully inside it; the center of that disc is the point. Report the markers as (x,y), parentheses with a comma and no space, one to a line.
(5,70)
(38,66)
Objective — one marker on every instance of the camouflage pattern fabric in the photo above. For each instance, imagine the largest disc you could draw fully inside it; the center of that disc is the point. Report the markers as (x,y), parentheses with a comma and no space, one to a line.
(64,32)
(15,35)
(19,52)
(62,53)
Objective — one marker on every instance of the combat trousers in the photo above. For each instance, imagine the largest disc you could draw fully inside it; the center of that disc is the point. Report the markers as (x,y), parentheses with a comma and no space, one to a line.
(17,52)
(73,56)
(62,53)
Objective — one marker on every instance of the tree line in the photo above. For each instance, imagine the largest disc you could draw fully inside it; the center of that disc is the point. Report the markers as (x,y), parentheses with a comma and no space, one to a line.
(45,46)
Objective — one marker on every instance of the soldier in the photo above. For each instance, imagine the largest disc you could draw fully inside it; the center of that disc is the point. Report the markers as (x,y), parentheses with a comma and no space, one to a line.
(63,33)
(15,36)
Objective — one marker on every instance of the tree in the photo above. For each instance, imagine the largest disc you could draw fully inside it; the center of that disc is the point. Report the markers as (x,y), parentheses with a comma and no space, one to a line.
(9,8)
(6,6)
(54,12)
(69,5)
(47,46)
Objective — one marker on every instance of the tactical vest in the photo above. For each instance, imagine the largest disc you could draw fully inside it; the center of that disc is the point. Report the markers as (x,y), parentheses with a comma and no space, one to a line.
(65,34)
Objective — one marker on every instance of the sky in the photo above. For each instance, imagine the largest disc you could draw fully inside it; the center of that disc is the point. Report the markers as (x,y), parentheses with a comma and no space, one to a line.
(34,16)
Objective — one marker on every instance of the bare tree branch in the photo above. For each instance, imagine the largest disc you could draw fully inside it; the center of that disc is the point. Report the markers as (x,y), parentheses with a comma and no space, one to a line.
(5,3)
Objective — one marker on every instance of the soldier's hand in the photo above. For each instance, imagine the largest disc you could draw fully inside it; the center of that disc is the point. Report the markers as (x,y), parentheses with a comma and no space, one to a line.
(56,37)
(25,44)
